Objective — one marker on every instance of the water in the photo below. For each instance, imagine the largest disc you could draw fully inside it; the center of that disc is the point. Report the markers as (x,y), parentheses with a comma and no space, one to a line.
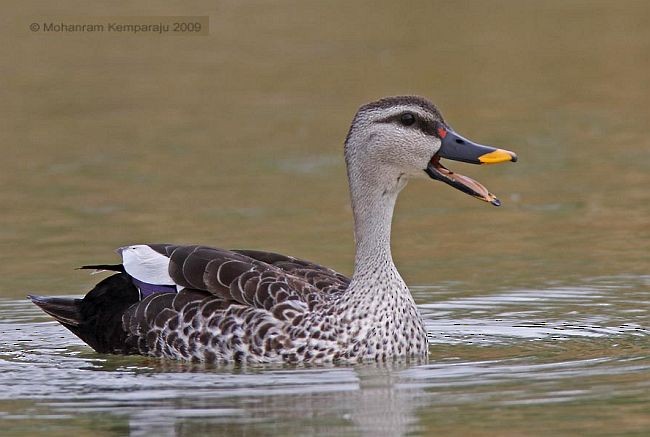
(537,311)
(543,361)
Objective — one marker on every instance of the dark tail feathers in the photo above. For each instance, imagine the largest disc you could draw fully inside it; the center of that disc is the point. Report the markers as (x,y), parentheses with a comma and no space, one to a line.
(97,318)
(65,311)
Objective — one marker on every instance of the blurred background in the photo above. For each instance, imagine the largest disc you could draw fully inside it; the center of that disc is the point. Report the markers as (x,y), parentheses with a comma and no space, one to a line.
(537,311)
(235,139)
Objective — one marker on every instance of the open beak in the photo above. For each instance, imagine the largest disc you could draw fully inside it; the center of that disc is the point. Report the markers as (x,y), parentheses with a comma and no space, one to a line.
(457,148)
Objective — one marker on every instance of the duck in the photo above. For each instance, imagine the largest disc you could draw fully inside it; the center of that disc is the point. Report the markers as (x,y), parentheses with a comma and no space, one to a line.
(205,304)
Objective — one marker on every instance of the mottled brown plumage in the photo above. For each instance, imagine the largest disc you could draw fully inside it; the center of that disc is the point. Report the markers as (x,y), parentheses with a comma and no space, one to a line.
(216,305)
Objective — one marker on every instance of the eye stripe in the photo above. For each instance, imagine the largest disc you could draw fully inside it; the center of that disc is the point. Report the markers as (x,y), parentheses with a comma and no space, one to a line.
(424,125)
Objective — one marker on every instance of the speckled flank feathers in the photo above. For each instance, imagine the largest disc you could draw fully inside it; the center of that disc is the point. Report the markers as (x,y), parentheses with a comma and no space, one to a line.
(263,307)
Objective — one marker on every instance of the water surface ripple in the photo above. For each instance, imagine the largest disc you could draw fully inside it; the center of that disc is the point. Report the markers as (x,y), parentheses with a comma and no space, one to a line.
(520,351)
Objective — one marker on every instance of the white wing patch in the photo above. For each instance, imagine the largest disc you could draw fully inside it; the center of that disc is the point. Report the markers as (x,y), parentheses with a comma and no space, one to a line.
(146,265)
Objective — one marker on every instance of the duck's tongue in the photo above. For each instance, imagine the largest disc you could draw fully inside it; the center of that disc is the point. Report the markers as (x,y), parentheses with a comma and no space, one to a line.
(457,148)
(459,181)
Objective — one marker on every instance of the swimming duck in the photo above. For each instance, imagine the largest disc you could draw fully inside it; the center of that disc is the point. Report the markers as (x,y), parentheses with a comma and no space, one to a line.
(215,305)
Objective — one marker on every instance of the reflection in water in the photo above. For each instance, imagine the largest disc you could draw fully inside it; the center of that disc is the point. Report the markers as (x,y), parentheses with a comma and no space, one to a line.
(368,399)
(385,403)
(553,348)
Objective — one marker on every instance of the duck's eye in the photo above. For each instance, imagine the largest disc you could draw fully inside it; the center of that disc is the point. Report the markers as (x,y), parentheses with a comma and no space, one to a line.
(407,119)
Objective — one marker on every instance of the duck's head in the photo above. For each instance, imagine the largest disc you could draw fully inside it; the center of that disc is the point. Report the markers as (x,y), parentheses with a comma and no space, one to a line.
(397,138)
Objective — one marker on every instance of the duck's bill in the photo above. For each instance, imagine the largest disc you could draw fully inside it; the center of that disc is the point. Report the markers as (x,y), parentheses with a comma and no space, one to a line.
(457,148)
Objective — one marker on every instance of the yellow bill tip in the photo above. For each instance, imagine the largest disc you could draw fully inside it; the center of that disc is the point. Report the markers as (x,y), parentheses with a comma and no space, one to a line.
(498,156)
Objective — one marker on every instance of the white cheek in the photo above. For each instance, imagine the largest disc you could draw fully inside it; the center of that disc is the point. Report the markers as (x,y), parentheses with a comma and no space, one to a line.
(420,156)
(424,153)
(437,144)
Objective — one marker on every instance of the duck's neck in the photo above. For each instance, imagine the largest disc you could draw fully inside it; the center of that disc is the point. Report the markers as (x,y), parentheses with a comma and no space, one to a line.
(373,203)
(373,214)
(377,304)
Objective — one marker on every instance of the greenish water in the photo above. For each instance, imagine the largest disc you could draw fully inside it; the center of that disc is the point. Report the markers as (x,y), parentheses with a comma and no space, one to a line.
(537,312)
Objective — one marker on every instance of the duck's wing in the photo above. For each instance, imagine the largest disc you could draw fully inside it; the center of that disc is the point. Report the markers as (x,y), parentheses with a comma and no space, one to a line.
(253,278)
(323,278)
